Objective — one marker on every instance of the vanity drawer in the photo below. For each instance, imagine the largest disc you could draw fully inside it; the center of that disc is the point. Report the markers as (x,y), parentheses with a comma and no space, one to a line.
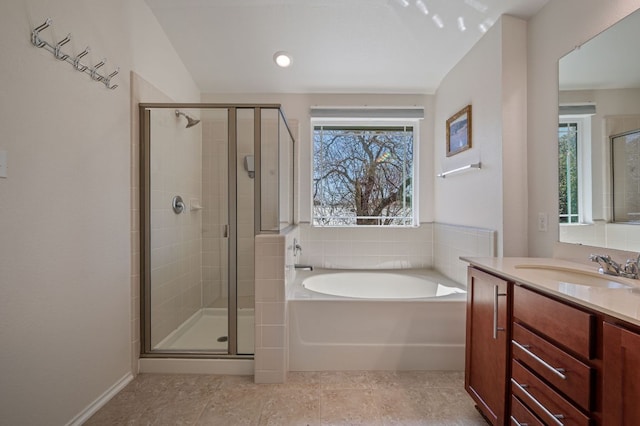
(569,375)
(521,415)
(550,406)
(560,322)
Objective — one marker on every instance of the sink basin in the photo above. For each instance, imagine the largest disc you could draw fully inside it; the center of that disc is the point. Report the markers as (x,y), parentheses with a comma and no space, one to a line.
(574,276)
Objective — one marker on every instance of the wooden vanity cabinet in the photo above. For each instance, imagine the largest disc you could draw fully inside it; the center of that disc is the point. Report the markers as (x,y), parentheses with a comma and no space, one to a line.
(551,348)
(621,376)
(536,359)
(487,344)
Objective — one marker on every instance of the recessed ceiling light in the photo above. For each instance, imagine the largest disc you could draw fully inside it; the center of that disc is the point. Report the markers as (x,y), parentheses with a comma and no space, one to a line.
(282,59)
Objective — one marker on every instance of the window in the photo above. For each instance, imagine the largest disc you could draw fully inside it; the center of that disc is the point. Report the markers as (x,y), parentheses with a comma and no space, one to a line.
(568,172)
(574,171)
(364,173)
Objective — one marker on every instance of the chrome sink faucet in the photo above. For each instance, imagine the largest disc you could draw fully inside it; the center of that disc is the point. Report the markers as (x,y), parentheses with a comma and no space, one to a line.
(631,268)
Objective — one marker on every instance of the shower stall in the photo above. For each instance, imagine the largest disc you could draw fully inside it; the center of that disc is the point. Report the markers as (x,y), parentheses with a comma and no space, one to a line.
(212,177)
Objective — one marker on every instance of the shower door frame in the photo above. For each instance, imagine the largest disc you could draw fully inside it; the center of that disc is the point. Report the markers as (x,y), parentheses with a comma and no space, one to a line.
(146,351)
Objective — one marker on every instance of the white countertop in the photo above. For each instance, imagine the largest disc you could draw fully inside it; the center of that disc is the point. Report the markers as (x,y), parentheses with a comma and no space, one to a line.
(614,296)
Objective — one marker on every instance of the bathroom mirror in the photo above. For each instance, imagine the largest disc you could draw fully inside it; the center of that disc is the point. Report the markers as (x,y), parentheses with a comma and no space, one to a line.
(599,97)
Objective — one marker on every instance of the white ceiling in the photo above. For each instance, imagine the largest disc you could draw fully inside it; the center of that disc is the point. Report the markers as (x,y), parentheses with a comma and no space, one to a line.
(338,46)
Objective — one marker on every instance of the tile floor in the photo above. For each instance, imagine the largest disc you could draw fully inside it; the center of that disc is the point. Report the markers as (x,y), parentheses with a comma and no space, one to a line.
(322,398)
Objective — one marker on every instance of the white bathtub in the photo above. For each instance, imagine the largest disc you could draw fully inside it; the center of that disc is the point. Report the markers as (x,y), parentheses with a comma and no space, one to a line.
(379,329)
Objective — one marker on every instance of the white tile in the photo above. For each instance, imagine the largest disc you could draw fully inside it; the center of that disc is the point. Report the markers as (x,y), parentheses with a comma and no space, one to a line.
(272,336)
(273,313)
(269,358)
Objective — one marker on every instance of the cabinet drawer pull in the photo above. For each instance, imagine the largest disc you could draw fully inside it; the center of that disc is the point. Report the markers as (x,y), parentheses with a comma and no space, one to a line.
(496,294)
(517,423)
(555,417)
(557,371)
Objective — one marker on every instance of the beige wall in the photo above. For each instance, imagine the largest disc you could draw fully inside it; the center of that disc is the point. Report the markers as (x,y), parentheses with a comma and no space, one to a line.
(552,33)
(65,221)
(492,78)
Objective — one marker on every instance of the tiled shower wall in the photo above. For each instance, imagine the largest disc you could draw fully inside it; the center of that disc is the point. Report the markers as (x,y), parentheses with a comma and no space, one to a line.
(246,211)
(214,203)
(176,169)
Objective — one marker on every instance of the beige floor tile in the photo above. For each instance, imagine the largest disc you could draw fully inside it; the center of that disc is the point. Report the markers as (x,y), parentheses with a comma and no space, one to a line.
(349,407)
(291,407)
(333,380)
(233,407)
(369,398)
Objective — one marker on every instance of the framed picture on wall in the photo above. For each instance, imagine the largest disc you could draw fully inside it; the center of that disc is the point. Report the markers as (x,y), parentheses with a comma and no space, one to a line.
(459,131)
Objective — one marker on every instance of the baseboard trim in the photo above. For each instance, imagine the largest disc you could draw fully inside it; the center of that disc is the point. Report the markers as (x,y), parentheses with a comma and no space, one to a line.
(100,402)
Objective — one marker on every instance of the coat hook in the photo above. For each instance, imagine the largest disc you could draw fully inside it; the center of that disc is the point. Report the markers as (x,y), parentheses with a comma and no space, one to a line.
(107,81)
(94,70)
(76,62)
(35,37)
(62,42)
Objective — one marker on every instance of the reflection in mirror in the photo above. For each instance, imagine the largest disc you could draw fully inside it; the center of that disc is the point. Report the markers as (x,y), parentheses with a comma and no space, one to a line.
(599,96)
(625,172)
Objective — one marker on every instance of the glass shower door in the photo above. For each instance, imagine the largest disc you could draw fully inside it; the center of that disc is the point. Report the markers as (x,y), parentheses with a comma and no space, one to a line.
(212,176)
(188,233)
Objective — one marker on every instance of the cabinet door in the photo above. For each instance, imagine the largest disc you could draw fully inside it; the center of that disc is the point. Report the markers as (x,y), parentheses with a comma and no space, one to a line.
(486,351)
(621,376)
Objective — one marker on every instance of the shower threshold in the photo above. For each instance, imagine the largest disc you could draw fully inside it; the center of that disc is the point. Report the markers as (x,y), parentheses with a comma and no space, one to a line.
(205,331)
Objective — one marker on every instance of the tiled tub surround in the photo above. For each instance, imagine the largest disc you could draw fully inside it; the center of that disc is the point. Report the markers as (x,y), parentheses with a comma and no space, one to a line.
(452,241)
(331,333)
(274,269)
(430,245)
(349,248)
(367,247)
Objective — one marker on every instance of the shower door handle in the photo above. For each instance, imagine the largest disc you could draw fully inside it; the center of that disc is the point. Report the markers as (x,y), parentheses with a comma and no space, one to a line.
(225,231)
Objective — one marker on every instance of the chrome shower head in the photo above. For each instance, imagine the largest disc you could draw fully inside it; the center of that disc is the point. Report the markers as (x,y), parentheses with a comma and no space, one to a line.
(190,121)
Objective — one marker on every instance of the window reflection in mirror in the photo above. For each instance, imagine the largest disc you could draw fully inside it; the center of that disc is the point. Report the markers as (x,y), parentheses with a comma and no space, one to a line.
(599,97)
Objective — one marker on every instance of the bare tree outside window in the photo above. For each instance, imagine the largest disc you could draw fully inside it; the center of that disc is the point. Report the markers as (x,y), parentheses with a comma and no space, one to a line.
(363,176)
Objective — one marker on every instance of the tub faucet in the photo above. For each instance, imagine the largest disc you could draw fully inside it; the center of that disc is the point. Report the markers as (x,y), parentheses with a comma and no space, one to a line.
(298,267)
(631,268)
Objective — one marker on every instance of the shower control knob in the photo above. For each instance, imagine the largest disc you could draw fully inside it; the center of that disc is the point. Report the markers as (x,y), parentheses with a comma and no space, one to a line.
(178,204)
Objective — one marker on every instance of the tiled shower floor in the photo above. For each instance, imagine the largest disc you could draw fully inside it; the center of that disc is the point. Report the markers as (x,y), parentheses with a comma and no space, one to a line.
(202,331)
(322,398)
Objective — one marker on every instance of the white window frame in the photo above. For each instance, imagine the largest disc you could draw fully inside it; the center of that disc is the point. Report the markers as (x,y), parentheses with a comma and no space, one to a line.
(585,203)
(373,123)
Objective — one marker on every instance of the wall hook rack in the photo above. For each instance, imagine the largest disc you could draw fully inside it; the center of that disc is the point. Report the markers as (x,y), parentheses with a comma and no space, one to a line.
(76,62)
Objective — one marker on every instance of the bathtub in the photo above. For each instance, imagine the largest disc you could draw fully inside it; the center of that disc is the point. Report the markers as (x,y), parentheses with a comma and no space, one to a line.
(375,320)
